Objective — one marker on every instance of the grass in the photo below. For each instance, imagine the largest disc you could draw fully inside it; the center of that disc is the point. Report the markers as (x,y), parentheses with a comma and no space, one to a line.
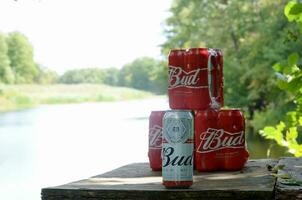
(14,97)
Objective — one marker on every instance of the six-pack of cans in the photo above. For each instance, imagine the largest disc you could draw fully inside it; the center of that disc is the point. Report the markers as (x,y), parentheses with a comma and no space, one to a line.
(197,133)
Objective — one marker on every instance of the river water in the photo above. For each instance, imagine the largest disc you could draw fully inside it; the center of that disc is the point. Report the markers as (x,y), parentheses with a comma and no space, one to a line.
(57,144)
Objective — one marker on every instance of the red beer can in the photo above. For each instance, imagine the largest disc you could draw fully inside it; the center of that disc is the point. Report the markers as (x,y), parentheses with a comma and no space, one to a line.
(177,64)
(155,140)
(218,76)
(205,121)
(195,79)
(220,140)
(232,122)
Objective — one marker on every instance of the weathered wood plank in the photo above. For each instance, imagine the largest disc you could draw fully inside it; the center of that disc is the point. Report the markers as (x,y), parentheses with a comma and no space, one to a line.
(293,168)
(137,181)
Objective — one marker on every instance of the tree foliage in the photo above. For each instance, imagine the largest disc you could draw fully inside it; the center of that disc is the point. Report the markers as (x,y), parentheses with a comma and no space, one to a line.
(22,62)
(46,76)
(6,73)
(143,73)
(89,75)
(289,74)
(17,63)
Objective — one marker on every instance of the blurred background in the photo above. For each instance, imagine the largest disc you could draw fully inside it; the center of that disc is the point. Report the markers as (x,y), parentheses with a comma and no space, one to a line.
(78,80)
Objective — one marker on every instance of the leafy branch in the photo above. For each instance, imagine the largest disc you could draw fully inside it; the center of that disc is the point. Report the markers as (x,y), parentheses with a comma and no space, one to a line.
(289,75)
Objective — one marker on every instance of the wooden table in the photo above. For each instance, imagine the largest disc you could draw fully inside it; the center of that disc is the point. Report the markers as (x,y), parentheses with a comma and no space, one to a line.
(137,181)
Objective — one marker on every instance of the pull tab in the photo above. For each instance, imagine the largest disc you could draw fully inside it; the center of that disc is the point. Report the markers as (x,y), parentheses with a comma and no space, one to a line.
(214,103)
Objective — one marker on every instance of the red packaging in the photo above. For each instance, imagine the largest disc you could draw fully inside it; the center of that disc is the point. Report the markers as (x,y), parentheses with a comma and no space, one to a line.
(202,122)
(195,79)
(220,140)
(155,140)
(218,76)
(233,123)
(176,92)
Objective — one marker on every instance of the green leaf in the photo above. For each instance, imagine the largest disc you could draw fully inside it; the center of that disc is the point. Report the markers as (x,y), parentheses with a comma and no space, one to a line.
(289,69)
(295,84)
(277,167)
(291,182)
(292,118)
(287,10)
(296,9)
(293,58)
(292,134)
(278,67)
(281,126)
(300,26)
(300,121)
(268,132)
(283,85)
(298,152)
(283,176)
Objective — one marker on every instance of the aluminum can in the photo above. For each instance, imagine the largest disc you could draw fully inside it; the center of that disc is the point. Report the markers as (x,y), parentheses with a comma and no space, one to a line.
(232,122)
(176,89)
(155,139)
(204,120)
(220,140)
(218,82)
(178,145)
(195,79)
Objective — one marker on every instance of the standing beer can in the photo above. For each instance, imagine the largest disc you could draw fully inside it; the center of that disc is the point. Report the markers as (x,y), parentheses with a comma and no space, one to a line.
(218,76)
(176,90)
(194,79)
(178,145)
(155,139)
(220,140)
(233,145)
(205,125)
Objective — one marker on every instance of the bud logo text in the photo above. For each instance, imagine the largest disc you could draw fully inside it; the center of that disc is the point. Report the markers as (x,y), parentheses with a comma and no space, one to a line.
(155,137)
(216,139)
(181,78)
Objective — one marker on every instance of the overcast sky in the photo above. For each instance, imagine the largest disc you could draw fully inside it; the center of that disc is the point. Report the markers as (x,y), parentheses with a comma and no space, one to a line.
(69,34)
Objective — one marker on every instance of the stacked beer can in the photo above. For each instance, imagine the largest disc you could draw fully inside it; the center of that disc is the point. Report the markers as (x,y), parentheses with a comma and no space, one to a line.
(197,132)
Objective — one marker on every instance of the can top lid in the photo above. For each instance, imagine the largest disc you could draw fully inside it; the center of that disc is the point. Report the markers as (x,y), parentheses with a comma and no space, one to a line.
(158,111)
(179,110)
(230,109)
(197,48)
(177,50)
(202,48)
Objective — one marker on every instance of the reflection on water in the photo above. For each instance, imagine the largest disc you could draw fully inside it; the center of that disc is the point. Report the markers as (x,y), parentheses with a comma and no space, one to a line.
(53,145)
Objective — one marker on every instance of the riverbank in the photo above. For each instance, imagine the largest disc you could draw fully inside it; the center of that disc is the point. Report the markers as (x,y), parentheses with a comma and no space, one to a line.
(13,97)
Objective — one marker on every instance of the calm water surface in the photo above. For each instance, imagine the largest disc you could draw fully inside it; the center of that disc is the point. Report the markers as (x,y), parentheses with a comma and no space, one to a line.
(53,145)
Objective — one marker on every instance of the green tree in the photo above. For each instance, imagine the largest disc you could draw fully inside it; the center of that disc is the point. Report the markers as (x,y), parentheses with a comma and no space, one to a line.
(111,76)
(89,75)
(20,53)
(124,77)
(145,74)
(46,76)
(6,74)
(289,72)
(159,78)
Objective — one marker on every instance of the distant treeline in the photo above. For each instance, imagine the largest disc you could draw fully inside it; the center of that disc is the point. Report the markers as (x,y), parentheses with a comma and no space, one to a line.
(17,66)
(143,73)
